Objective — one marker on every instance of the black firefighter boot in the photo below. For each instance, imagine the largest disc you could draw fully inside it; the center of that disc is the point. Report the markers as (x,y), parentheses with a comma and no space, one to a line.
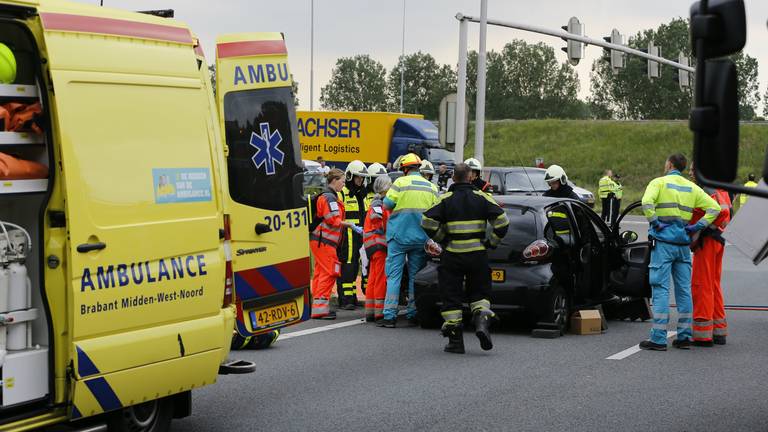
(482,320)
(455,336)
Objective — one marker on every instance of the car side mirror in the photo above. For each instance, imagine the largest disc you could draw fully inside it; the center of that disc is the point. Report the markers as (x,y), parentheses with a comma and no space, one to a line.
(628,237)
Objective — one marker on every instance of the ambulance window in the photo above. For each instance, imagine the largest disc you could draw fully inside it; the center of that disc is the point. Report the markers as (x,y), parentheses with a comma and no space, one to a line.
(263,155)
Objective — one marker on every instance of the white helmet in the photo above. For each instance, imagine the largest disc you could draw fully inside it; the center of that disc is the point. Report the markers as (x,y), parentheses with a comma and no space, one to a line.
(474,164)
(555,172)
(376,169)
(355,168)
(426,168)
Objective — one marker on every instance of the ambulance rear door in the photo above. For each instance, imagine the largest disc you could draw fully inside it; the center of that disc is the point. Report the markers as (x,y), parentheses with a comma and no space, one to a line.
(264,203)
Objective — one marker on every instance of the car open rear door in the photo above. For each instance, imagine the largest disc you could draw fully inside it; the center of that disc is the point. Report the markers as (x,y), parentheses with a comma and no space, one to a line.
(266,211)
(630,275)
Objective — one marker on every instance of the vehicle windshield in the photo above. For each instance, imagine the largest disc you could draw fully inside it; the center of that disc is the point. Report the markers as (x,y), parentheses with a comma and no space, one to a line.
(264,157)
(519,181)
(438,155)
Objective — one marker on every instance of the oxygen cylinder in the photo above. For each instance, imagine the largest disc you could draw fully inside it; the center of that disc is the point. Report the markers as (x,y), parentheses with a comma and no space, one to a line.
(5,283)
(18,287)
(18,300)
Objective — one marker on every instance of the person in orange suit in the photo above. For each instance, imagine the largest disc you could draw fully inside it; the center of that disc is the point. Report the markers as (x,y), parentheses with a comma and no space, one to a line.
(323,242)
(375,244)
(709,324)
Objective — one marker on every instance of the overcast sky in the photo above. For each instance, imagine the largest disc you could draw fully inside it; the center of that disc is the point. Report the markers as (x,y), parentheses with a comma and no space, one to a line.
(349,27)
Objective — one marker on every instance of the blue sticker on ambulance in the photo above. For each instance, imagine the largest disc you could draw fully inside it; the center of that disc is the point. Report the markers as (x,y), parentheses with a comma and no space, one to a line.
(180,185)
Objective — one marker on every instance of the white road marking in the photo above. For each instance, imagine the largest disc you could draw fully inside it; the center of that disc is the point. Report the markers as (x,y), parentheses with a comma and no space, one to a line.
(321,329)
(633,350)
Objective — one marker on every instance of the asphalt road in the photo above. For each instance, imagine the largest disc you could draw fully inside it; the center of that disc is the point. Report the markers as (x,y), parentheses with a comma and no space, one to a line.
(354,376)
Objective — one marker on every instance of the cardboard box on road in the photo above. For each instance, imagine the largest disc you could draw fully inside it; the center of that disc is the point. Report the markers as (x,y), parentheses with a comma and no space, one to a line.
(586,322)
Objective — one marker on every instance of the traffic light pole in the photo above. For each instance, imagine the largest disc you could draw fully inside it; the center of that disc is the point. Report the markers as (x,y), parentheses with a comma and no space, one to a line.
(480,119)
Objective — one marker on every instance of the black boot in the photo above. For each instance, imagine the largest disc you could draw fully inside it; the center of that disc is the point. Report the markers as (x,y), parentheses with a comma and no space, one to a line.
(482,320)
(455,336)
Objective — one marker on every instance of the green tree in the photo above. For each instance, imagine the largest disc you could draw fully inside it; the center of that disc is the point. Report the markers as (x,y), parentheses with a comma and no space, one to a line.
(630,94)
(295,91)
(425,85)
(526,81)
(357,84)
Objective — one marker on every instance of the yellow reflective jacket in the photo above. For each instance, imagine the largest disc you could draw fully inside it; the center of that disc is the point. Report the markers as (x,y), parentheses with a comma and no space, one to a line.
(668,204)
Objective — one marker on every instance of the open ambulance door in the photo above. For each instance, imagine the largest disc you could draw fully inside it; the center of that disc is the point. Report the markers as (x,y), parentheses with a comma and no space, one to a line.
(266,211)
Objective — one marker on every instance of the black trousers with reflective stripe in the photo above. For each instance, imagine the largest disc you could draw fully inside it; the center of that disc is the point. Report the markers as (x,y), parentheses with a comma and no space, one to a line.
(350,267)
(456,269)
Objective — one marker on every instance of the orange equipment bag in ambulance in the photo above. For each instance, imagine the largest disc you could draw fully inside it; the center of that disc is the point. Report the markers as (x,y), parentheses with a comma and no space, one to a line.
(23,117)
(12,168)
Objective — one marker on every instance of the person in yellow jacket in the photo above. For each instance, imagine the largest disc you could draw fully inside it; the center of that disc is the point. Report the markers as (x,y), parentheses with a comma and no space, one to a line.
(668,204)
(607,193)
(750,183)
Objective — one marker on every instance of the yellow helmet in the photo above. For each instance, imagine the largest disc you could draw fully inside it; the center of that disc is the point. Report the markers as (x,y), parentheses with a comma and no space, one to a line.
(7,65)
(410,160)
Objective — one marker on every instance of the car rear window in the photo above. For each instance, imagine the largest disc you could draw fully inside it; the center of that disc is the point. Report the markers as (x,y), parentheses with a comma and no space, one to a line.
(522,232)
(522,181)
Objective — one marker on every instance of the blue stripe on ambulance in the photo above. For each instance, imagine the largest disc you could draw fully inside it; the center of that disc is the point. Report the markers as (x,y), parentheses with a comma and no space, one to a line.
(103,393)
(85,366)
(75,413)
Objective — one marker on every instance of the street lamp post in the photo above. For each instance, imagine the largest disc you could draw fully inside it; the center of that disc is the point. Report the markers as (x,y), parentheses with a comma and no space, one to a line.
(480,105)
(402,63)
(312,55)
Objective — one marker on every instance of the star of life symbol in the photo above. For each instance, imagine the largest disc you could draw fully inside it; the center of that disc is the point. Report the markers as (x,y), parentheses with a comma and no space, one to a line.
(267,151)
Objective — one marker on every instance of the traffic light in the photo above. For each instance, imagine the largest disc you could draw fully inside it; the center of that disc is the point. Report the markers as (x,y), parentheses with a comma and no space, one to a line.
(574,49)
(617,58)
(683,77)
(654,68)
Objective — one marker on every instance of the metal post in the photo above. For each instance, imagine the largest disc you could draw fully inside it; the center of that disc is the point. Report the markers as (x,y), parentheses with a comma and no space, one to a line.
(480,104)
(461,91)
(312,56)
(402,63)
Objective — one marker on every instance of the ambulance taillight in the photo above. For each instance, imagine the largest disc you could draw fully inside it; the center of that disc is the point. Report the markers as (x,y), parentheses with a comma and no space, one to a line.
(229,281)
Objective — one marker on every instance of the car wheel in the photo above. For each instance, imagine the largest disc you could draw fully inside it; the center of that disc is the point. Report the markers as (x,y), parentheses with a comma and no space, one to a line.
(558,311)
(152,416)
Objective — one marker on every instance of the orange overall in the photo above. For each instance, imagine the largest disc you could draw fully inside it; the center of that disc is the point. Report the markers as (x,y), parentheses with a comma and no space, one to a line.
(708,306)
(323,242)
(375,244)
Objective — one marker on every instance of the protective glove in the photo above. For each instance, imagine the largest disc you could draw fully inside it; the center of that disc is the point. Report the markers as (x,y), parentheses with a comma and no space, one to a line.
(358,230)
(660,226)
(691,229)
(433,248)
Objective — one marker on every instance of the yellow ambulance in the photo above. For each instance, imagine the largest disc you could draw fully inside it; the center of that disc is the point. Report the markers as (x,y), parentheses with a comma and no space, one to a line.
(133,220)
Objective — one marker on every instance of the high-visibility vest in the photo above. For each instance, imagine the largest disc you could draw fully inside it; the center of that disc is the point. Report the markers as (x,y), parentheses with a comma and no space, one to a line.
(409,197)
(605,187)
(374,231)
(671,199)
(461,219)
(724,200)
(619,191)
(332,212)
(744,197)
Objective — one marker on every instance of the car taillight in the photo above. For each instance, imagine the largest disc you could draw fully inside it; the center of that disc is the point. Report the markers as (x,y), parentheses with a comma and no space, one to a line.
(537,251)
(229,281)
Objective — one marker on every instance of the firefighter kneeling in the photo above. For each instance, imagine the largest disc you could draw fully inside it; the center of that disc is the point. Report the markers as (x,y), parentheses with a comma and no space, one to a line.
(459,221)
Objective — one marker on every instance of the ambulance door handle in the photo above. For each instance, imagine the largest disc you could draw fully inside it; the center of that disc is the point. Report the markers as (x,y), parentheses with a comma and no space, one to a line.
(262,228)
(88,247)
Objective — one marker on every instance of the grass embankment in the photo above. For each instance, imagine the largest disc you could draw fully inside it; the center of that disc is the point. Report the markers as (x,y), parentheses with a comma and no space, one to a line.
(584,148)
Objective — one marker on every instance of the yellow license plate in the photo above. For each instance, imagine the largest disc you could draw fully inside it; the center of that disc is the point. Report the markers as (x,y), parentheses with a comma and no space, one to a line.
(498,275)
(270,316)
